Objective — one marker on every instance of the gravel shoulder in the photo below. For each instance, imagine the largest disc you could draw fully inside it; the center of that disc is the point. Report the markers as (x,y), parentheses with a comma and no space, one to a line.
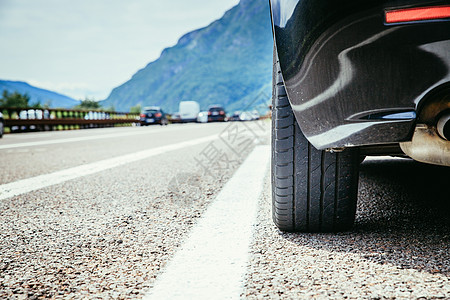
(398,249)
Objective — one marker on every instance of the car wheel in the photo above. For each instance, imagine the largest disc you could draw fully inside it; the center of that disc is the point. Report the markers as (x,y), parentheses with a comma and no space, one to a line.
(1,129)
(312,190)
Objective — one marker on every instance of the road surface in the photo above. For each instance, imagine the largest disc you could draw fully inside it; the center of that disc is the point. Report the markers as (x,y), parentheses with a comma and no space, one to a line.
(183,211)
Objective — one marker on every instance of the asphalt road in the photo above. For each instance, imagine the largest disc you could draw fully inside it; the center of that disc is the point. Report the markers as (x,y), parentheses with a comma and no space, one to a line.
(106,213)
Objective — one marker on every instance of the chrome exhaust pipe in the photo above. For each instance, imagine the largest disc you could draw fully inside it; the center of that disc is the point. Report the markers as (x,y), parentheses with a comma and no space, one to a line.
(443,126)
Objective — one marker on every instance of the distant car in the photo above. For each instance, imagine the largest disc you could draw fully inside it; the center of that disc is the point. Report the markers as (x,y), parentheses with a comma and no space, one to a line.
(189,111)
(216,113)
(235,116)
(202,117)
(245,116)
(2,124)
(175,118)
(255,115)
(153,115)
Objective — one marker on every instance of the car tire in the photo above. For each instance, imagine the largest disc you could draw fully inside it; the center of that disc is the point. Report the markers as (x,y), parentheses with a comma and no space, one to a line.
(312,190)
(2,126)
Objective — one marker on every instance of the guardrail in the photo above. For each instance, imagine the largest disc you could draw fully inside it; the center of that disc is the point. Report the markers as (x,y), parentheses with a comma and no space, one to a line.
(26,119)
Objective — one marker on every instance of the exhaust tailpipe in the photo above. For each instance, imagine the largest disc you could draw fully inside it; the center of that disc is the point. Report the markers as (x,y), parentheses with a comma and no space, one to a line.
(443,126)
(427,146)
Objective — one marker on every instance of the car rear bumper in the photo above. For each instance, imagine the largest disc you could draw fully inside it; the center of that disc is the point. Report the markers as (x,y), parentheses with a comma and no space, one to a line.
(353,80)
(146,121)
(216,118)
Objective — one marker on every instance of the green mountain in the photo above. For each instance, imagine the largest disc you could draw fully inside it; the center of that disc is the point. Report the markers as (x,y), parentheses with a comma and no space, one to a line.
(228,62)
(38,95)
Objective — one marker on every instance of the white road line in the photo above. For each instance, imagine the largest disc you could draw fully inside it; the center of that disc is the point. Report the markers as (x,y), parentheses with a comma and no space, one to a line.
(212,262)
(86,138)
(69,140)
(27,185)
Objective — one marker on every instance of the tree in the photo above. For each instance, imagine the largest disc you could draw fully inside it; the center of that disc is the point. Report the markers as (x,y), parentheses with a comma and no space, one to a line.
(17,100)
(135,109)
(89,104)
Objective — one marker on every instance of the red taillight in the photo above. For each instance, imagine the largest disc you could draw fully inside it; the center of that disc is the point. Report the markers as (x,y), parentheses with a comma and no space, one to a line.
(222,112)
(143,115)
(158,115)
(209,113)
(417,14)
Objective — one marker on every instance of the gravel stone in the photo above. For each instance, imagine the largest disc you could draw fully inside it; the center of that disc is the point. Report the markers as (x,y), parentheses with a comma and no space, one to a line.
(399,247)
(106,235)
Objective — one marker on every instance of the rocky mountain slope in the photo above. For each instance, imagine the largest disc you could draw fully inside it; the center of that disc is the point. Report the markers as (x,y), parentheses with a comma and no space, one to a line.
(38,95)
(228,62)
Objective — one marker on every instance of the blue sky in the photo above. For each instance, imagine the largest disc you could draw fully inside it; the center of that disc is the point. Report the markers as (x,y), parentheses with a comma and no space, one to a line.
(85,48)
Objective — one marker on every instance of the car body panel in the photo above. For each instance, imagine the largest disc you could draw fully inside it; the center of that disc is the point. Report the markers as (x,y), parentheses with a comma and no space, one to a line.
(202,117)
(189,111)
(353,80)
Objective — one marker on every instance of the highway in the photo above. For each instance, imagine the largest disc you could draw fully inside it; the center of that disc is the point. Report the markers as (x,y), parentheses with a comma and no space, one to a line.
(184,212)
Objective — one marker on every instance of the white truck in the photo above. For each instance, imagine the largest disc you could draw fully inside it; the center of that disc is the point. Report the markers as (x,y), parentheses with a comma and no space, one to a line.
(189,111)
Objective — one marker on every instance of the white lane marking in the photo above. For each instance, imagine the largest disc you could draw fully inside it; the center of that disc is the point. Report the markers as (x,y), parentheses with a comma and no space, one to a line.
(27,185)
(27,136)
(87,138)
(69,140)
(212,262)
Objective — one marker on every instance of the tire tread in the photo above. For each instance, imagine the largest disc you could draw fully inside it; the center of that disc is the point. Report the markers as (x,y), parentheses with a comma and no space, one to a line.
(312,190)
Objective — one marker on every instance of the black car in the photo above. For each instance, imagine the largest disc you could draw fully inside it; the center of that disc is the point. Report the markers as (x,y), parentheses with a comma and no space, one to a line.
(153,115)
(216,113)
(352,79)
